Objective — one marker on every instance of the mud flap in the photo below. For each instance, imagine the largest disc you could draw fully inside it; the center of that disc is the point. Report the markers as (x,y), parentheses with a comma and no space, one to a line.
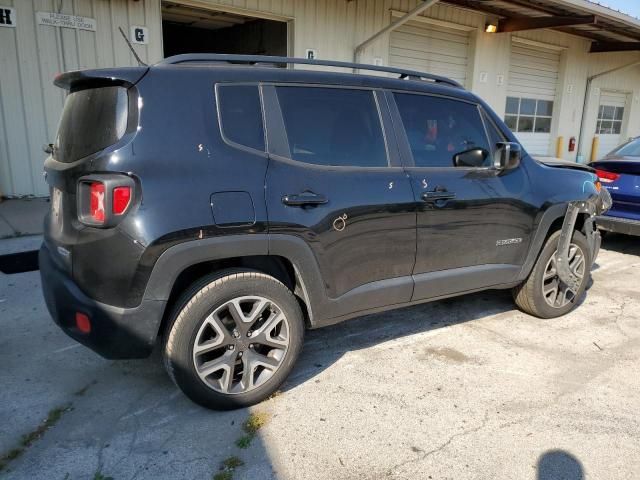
(568,226)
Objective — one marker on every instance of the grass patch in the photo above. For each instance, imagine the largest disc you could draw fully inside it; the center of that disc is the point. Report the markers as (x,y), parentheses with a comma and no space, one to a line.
(227,468)
(100,476)
(28,439)
(250,427)
(232,463)
(226,475)
(254,423)
(244,441)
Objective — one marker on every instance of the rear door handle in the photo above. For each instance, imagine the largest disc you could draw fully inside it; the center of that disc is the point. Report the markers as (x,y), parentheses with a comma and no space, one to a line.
(431,197)
(304,198)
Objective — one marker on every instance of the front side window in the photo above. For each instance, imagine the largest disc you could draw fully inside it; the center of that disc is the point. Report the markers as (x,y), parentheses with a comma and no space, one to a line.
(333,126)
(529,115)
(609,120)
(241,115)
(439,129)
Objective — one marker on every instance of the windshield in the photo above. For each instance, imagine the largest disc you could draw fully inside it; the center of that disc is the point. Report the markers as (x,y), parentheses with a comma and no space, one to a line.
(92,119)
(631,149)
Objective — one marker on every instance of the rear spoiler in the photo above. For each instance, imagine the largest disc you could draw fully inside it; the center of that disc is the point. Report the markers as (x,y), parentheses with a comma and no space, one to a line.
(81,79)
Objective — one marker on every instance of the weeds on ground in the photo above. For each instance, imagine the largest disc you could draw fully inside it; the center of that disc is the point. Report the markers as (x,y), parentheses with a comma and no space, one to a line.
(28,439)
(250,427)
(227,468)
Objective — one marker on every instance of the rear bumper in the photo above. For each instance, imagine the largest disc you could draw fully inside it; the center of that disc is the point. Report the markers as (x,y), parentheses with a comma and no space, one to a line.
(618,225)
(116,333)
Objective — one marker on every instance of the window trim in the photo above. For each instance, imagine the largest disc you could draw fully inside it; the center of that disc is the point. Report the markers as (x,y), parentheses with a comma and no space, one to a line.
(535,115)
(404,140)
(613,121)
(224,137)
(376,93)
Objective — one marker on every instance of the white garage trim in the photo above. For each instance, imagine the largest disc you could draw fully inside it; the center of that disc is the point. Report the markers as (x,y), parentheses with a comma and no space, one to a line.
(533,75)
(436,22)
(612,112)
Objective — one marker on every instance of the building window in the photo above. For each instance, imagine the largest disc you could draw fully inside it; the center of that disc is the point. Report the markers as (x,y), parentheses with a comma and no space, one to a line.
(529,115)
(609,120)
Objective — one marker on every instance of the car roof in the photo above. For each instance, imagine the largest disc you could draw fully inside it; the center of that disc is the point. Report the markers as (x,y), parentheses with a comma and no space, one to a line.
(222,72)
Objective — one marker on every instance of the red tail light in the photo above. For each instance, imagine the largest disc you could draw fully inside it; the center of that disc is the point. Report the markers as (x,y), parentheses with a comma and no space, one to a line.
(96,203)
(607,177)
(104,199)
(121,199)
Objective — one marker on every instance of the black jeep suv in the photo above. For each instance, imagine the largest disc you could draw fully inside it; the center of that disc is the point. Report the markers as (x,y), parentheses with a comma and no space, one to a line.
(221,206)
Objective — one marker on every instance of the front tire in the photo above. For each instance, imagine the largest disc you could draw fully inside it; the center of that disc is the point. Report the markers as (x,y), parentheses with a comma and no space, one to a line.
(543,294)
(234,339)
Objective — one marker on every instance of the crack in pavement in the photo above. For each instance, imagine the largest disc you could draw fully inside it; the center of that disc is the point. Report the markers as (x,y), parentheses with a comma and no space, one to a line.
(443,445)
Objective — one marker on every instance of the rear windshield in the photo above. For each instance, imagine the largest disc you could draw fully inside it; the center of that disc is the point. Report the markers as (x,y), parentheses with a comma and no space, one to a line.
(91,120)
(631,149)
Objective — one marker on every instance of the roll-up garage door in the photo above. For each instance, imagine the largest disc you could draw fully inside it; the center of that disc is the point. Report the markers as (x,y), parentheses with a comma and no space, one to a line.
(430,48)
(531,95)
(610,118)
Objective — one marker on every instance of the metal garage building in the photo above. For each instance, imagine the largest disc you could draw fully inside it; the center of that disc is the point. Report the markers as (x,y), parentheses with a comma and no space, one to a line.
(540,66)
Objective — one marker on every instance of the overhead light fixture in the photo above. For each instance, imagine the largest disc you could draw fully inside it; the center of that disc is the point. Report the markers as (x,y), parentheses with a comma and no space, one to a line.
(491,28)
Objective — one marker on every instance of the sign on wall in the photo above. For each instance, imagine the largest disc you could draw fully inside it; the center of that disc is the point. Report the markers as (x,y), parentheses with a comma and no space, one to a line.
(139,35)
(7,16)
(66,21)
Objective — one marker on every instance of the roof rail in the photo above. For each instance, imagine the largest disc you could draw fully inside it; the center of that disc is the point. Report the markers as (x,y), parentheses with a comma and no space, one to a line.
(265,59)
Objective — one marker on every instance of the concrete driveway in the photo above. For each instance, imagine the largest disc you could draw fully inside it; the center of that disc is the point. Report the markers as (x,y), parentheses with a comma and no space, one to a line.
(467,388)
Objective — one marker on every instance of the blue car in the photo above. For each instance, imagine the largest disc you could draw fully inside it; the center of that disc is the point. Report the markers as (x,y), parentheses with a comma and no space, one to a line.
(619,173)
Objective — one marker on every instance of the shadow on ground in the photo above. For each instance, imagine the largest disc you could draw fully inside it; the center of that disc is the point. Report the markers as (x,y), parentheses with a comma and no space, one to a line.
(559,465)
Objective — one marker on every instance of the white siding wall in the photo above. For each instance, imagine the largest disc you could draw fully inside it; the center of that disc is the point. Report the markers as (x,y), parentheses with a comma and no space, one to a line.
(32,54)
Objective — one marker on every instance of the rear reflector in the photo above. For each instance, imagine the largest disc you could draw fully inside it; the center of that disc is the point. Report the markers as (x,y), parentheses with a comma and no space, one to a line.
(83,323)
(607,177)
(96,203)
(121,199)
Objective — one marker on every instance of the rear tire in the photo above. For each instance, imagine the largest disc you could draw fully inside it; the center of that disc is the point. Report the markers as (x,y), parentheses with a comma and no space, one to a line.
(233,339)
(542,294)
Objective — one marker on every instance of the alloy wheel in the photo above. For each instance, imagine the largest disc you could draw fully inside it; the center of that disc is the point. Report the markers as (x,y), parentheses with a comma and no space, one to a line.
(241,344)
(556,293)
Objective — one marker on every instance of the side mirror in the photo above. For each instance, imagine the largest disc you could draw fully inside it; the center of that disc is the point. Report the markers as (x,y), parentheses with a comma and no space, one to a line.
(476,157)
(507,156)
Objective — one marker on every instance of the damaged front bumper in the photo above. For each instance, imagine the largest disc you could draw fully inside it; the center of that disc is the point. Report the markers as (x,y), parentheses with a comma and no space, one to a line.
(593,207)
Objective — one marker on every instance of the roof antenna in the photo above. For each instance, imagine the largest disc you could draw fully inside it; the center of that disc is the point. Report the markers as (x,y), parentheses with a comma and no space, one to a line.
(140,62)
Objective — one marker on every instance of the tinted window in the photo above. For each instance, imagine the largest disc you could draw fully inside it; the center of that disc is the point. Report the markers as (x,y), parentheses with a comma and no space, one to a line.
(439,128)
(91,120)
(241,115)
(631,149)
(333,126)
(495,135)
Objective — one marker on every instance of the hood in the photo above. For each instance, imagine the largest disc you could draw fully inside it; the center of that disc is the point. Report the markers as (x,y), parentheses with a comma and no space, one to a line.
(559,163)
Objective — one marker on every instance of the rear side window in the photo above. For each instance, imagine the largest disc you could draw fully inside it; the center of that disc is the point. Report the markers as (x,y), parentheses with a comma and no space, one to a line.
(241,115)
(91,120)
(333,126)
(439,128)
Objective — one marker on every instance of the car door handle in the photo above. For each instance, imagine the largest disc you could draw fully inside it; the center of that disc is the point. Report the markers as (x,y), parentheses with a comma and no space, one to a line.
(436,195)
(304,198)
